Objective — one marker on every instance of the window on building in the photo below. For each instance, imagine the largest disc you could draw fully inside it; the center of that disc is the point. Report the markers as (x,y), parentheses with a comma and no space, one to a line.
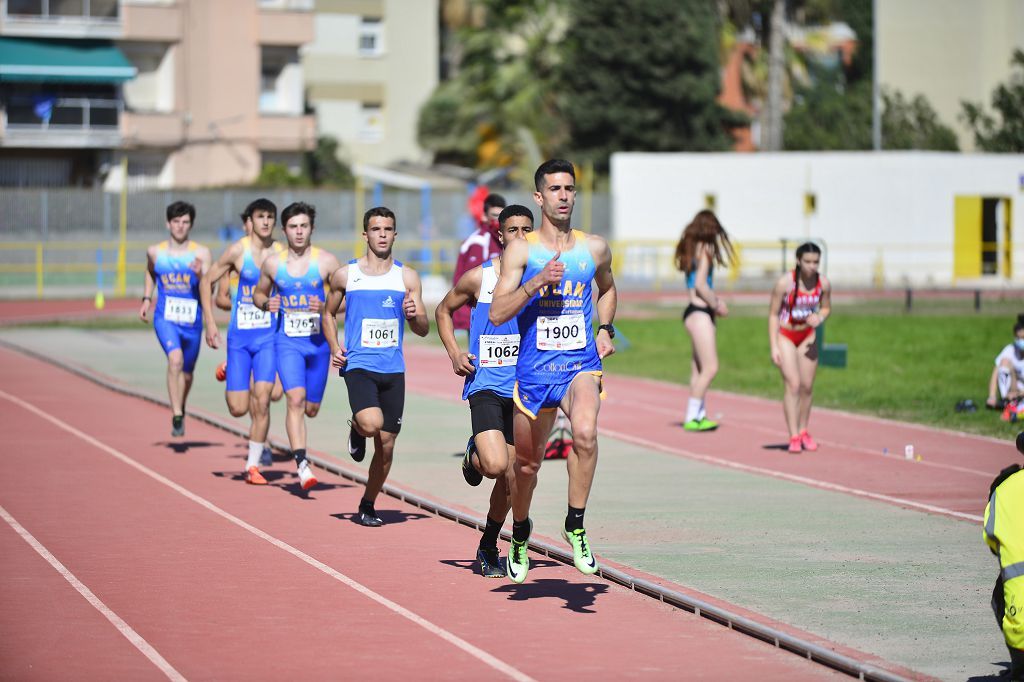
(371,37)
(64,9)
(371,123)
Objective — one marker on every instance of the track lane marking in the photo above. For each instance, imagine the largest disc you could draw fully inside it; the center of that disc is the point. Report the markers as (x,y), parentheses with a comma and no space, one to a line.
(126,630)
(461,644)
(813,482)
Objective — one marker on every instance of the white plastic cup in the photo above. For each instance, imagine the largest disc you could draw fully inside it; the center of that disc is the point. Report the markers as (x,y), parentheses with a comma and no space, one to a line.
(908,452)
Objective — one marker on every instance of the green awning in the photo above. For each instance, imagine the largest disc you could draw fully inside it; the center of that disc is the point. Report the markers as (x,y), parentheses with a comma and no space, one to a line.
(66,61)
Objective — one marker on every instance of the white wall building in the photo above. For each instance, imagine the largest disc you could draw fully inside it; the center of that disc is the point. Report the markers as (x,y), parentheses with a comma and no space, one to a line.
(886,219)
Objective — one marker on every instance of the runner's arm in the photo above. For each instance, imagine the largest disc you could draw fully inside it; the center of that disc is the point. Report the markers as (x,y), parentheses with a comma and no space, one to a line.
(509,297)
(607,296)
(824,306)
(416,312)
(329,317)
(774,307)
(463,293)
(217,271)
(148,287)
(261,297)
(223,299)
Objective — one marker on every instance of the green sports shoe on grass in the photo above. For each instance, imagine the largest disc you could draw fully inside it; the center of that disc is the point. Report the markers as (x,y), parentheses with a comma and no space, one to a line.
(518,563)
(702,424)
(582,557)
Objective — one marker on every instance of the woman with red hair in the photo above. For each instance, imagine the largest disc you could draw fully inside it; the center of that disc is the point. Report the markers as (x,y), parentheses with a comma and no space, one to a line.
(703,245)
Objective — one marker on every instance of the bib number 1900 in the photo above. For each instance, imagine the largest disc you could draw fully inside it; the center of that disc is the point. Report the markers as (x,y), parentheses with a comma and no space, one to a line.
(563,332)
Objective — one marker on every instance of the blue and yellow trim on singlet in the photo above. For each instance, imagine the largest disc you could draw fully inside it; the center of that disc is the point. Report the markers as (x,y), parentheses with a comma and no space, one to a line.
(302,361)
(492,374)
(250,350)
(562,314)
(178,316)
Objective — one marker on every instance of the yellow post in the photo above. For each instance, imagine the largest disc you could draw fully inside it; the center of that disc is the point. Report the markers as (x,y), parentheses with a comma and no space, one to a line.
(122,246)
(39,269)
(588,196)
(360,209)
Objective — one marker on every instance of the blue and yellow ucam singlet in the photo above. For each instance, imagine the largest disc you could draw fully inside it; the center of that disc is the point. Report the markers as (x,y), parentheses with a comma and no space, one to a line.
(177,287)
(374,320)
(297,325)
(247,321)
(496,348)
(557,337)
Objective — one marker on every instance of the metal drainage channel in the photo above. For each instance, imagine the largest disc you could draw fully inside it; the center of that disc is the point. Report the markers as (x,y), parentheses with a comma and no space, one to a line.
(813,652)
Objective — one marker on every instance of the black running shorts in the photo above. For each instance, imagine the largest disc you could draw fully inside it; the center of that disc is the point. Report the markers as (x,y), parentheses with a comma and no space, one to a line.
(491,412)
(373,389)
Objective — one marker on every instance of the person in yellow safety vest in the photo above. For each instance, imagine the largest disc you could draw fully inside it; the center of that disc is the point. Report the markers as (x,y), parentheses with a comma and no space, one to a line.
(1004,534)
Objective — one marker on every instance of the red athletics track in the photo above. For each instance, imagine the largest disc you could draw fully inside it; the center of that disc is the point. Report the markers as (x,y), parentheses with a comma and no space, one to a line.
(45,310)
(212,578)
(951,479)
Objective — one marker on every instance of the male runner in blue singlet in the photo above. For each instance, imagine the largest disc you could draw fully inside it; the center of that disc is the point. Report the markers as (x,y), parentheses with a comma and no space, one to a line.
(489,366)
(175,267)
(296,279)
(251,331)
(379,293)
(546,284)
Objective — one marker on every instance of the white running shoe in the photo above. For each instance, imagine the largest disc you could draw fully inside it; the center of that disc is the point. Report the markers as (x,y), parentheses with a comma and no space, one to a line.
(306,477)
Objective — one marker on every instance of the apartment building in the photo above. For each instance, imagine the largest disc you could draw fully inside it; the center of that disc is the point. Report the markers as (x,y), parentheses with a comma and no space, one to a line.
(948,51)
(192,92)
(370,67)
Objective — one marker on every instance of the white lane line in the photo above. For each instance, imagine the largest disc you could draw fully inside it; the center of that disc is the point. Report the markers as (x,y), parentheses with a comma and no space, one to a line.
(126,630)
(430,627)
(824,485)
(652,407)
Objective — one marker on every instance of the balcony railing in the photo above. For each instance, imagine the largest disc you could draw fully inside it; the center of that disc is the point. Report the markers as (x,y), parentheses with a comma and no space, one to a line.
(64,114)
(64,10)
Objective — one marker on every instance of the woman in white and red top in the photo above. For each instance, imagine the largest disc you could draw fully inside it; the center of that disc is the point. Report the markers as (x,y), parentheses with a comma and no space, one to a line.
(801,300)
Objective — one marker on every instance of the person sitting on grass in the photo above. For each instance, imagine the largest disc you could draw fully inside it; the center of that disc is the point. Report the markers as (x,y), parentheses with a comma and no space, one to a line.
(1008,374)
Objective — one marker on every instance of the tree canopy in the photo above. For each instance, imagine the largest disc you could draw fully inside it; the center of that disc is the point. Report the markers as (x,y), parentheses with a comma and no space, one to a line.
(1003,130)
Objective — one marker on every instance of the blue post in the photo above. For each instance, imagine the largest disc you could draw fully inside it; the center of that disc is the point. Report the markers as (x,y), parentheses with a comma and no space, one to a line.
(427,254)
(378,194)
(99,269)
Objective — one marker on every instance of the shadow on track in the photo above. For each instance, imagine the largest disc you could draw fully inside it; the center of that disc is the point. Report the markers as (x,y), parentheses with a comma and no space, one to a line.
(181,447)
(578,596)
(388,516)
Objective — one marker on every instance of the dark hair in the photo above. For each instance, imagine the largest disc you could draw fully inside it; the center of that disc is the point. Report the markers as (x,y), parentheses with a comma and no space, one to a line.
(179,208)
(550,167)
(492,201)
(298,208)
(514,210)
(379,212)
(703,229)
(260,204)
(805,248)
(1020,323)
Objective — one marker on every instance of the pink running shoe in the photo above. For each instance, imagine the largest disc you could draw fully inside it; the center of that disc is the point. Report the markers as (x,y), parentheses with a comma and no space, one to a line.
(795,444)
(807,441)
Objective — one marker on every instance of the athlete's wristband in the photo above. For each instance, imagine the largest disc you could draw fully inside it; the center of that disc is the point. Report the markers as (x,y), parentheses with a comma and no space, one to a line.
(147,298)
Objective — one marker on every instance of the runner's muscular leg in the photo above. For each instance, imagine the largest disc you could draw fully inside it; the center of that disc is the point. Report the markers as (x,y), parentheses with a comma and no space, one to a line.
(530,436)
(582,403)
(791,384)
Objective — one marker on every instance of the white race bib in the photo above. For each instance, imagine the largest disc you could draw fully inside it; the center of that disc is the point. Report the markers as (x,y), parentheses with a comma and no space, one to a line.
(380,333)
(180,310)
(301,323)
(563,332)
(499,350)
(249,316)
